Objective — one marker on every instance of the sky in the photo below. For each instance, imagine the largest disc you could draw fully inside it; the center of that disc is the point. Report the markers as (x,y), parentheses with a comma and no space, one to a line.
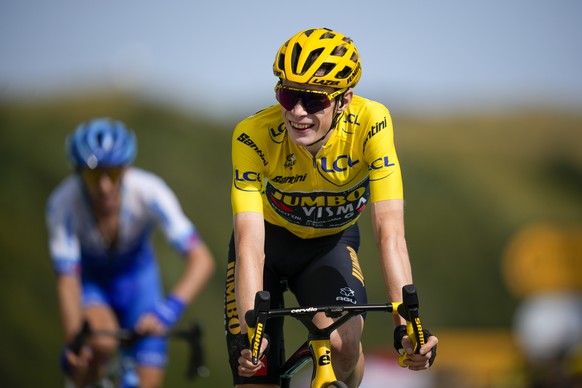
(417,55)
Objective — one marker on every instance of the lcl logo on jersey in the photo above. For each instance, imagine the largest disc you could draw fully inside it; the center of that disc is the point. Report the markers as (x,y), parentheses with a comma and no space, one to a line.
(276,134)
(351,119)
(247,176)
(380,163)
(340,164)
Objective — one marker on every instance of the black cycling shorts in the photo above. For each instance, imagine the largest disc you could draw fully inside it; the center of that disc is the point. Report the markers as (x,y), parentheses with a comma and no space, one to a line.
(319,271)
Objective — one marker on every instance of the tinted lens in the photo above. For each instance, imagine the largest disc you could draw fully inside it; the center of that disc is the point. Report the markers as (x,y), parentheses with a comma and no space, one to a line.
(311,102)
(93,176)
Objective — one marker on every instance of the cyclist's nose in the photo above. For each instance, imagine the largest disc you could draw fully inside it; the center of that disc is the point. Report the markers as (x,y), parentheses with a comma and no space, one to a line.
(105,183)
(299,109)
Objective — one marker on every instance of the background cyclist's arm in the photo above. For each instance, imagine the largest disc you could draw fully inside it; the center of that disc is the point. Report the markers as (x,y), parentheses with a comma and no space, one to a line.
(199,268)
(164,207)
(69,297)
(65,253)
(249,234)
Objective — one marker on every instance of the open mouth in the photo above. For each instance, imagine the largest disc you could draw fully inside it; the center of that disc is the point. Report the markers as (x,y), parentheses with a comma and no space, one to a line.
(301,127)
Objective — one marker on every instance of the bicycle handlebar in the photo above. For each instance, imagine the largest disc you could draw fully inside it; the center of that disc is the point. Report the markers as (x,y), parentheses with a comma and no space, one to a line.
(80,338)
(192,335)
(407,309)
(258,316)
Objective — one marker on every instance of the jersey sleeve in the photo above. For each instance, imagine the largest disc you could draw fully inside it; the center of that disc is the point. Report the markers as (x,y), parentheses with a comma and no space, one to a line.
(64,246)
(247,166)
(380,154)
(180,232)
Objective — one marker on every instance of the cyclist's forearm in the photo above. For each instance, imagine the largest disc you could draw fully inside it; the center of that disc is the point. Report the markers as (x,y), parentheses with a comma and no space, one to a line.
(396,271)
(388,223)
(248,280)
(250,241)
(200,266)
(69,296)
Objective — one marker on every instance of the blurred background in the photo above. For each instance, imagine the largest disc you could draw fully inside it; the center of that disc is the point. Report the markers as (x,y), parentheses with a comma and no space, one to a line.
(486,100)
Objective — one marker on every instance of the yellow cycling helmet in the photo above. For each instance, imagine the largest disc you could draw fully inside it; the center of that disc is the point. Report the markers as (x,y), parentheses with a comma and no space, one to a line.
(319,56)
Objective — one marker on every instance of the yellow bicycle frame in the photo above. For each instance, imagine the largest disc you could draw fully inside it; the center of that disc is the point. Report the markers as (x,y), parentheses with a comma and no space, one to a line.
(319,343)
(323,371)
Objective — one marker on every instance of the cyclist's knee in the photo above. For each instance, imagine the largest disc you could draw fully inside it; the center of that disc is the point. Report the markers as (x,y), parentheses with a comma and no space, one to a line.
(104,346)
(345,341)
(346,351)
(150,377)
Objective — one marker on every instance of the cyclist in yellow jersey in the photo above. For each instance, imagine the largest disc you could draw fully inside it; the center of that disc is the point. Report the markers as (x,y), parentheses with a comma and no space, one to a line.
(303,171)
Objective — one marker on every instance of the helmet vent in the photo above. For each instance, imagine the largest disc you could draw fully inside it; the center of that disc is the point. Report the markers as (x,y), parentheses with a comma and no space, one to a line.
(324,69)
(100,138)
(105,140)
(281,61)
(311,59)
(295,56)
(346,71)
(327,35)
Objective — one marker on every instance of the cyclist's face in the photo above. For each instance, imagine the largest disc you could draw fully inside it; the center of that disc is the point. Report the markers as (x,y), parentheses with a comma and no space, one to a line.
(305,128)
(104,187)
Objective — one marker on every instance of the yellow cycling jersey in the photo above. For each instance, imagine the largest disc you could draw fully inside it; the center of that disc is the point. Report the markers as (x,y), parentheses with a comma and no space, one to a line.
(322,195)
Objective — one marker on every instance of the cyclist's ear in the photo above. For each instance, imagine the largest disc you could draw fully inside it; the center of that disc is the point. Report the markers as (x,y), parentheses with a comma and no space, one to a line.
(345,99)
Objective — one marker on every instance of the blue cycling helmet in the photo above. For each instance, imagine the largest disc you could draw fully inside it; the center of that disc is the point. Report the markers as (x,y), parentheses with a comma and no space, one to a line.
(101,142)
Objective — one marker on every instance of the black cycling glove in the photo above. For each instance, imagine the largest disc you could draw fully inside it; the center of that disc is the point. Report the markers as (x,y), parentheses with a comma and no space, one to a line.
(400,332)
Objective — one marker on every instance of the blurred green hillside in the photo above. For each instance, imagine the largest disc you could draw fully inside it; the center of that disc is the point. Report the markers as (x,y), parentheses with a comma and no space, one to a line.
(471,181)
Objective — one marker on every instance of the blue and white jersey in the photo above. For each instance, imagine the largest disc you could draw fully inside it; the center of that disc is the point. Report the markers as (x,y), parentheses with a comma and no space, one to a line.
(147,203)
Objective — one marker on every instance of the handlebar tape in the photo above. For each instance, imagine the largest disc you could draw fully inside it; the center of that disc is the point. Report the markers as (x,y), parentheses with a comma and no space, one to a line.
(256,320)
(409,310)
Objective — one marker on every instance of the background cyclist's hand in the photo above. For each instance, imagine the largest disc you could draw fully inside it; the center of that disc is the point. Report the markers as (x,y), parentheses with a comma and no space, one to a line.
(77,362)
(424,359)
(149,323)
(245,364)
(164,315)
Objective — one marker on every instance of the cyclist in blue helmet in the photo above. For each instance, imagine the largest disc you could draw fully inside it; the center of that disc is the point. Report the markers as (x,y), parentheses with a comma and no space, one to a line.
(100,220)
(101,142)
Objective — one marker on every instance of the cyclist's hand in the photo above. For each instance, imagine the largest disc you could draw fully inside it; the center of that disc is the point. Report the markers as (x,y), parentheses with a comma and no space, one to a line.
(424,359)
(165,314)
(246,368)
(149,323)
(72,362)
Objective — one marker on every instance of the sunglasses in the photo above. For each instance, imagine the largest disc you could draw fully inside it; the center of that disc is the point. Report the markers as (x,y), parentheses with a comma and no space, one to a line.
(312,100)
(93,176)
